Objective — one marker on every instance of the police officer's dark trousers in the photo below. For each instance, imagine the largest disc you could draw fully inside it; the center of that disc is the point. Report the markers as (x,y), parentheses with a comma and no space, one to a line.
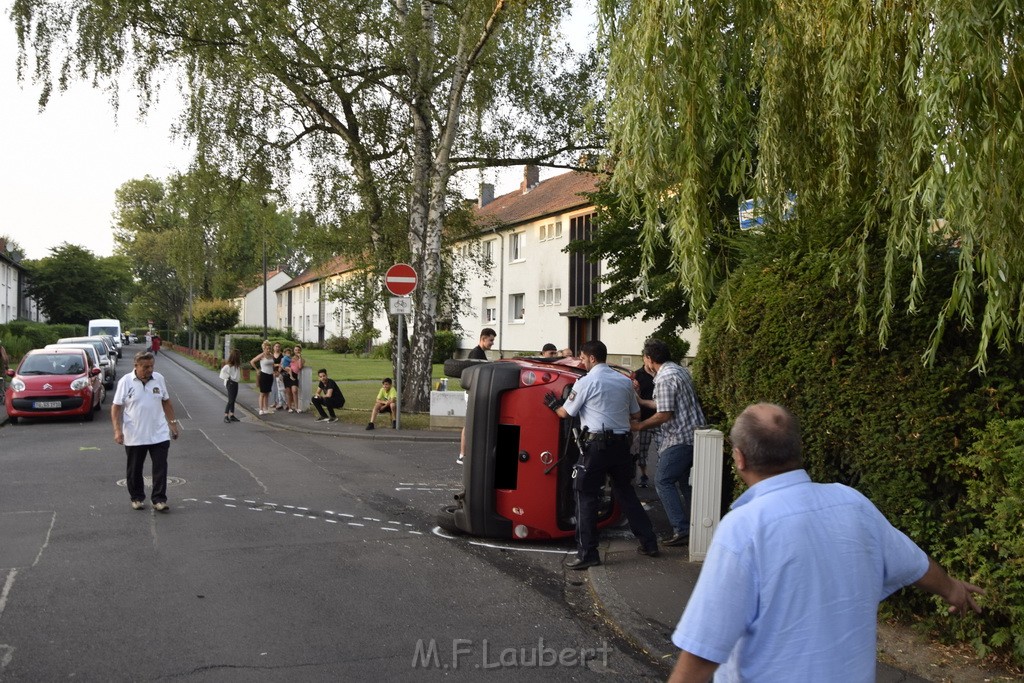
(608,458)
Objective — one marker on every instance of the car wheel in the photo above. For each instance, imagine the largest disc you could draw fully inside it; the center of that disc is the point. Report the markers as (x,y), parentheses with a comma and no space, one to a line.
(446,520)
(99,404)
(12,419)
(90,416)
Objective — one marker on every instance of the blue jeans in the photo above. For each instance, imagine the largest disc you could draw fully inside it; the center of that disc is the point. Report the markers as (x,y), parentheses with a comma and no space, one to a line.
(673,479)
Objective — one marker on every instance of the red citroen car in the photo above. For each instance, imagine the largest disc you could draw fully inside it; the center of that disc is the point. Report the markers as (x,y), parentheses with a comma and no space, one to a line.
(54,383)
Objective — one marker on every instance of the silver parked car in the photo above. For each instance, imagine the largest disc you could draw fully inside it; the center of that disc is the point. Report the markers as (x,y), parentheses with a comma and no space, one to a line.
(106,353)
(95,357)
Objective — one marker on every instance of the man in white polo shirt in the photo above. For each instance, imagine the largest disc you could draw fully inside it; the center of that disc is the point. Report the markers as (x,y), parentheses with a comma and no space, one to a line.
(143,418)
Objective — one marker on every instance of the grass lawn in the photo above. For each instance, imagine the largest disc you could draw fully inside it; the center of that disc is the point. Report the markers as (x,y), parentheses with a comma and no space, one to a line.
(359,379)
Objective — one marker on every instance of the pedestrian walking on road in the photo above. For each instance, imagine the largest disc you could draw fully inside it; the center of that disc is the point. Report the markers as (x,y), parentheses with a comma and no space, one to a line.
(144,423)
(329,396)
(790,587)
(231,374)
(264,362)
(605,402)
(678,415)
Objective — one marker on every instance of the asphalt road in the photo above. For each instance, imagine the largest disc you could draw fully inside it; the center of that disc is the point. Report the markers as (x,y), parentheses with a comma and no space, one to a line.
(285,557)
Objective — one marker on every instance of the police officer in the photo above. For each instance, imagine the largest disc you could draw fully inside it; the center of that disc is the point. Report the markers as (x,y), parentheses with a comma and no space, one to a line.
(604,400)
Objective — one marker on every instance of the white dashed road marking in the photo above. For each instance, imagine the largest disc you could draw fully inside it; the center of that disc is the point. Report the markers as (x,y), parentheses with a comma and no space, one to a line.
(300,511)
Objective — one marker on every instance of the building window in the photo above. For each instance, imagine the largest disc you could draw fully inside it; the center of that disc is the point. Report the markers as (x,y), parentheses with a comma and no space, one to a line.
(549,297)
(517,307)
(550,231)
(490,310)
(489,250)
(516,246)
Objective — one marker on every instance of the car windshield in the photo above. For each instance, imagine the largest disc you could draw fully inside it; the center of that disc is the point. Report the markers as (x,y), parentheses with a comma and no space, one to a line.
(52,364)
(104,330)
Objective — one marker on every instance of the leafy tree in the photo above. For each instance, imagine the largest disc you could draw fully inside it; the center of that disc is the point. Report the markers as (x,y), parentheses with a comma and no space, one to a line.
(892,115)
(384,100)
(199,231)
(11,248)
(631,287)
(211,317)
(72,285)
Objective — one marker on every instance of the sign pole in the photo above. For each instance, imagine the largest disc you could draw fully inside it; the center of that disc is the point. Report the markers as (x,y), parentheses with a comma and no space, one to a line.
(398,376)
(400,280)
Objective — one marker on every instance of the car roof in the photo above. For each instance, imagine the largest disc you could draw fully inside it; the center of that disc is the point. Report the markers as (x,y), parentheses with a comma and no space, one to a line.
(70,345)
(53,352)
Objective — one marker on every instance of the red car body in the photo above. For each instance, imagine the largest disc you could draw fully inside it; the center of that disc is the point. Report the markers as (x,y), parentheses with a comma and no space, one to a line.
(54,383)
(519,454)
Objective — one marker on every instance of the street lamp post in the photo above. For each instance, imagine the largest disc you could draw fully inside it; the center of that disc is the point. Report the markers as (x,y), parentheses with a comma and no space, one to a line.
(264,283)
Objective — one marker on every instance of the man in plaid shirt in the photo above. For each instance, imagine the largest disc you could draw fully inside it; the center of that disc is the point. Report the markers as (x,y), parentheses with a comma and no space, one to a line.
(677,415)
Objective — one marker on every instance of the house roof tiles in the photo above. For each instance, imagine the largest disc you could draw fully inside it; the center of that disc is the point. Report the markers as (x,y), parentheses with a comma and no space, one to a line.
(554,195)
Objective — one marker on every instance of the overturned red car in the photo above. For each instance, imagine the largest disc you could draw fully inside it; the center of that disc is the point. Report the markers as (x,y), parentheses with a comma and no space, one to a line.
(519,455)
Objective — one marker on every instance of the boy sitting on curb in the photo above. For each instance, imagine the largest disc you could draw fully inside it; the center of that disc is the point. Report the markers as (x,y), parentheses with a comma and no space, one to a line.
(385,403)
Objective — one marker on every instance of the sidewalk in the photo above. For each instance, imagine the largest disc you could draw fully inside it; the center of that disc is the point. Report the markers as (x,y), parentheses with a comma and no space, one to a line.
(641,598)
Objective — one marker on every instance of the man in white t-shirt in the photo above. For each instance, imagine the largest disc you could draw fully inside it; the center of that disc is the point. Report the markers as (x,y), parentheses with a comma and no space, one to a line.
(144,422)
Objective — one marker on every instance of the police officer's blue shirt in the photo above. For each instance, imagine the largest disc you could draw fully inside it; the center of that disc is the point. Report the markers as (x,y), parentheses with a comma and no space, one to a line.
(792,581)
(604,399)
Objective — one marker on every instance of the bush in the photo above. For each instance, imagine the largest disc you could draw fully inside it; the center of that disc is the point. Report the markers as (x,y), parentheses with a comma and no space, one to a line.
(40,334)
(382,351)
(876,419)
(361,341)
(338,345)
(991,548)
(445,344)
(210,317)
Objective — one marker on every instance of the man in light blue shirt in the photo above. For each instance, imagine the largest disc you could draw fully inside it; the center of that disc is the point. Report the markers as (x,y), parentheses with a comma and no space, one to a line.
(792,581)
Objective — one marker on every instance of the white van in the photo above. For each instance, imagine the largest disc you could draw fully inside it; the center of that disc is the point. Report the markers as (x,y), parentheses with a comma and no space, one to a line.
(107,326)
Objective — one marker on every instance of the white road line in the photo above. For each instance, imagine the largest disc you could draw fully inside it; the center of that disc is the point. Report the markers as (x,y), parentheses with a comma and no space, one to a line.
(7,590)
(251,502)
(371,519)
(437,531)
(281,512)
(304,509)
(229,505)
(355,524)
(345,514)
(387,528)
(46,542)
(332,521)
(418,533)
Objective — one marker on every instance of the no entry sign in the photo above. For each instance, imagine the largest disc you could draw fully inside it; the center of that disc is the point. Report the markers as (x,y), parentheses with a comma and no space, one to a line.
(400,279)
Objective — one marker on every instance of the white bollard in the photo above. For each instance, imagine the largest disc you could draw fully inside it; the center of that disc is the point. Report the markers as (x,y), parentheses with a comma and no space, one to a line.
(305,388)
(706,505)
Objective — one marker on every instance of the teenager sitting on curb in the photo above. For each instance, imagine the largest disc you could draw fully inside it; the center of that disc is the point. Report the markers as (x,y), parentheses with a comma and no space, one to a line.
(328,395)
(385,403)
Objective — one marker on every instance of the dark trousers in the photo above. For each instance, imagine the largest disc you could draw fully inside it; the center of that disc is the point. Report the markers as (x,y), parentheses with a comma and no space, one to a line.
(608,459)
(320,403)
(136,460)
(232,387)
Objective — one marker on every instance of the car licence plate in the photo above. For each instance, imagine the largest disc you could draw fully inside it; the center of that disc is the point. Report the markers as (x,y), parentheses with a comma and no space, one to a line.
(39,405)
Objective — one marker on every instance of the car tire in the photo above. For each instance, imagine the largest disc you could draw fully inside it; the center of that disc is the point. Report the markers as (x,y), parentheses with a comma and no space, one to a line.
(12,419)
(91,415)
(453,367)
(446,520)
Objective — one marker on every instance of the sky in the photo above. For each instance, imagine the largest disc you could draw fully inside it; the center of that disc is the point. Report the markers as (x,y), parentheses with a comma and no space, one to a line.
(59,168)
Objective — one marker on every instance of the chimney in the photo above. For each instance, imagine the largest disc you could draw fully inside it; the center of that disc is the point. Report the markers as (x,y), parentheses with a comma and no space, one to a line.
(486,195)
(531,176)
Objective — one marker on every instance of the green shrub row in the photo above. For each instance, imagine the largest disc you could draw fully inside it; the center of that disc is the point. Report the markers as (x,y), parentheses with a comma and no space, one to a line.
(19,336)
(878,419)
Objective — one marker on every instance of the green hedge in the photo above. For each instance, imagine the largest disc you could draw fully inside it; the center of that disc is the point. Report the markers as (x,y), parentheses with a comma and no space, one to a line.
(876,419)
(991,545)
(36,334)
(445,344)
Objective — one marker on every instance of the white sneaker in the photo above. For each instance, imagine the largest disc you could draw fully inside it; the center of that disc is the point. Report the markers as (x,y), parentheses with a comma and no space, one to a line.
(459,460)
